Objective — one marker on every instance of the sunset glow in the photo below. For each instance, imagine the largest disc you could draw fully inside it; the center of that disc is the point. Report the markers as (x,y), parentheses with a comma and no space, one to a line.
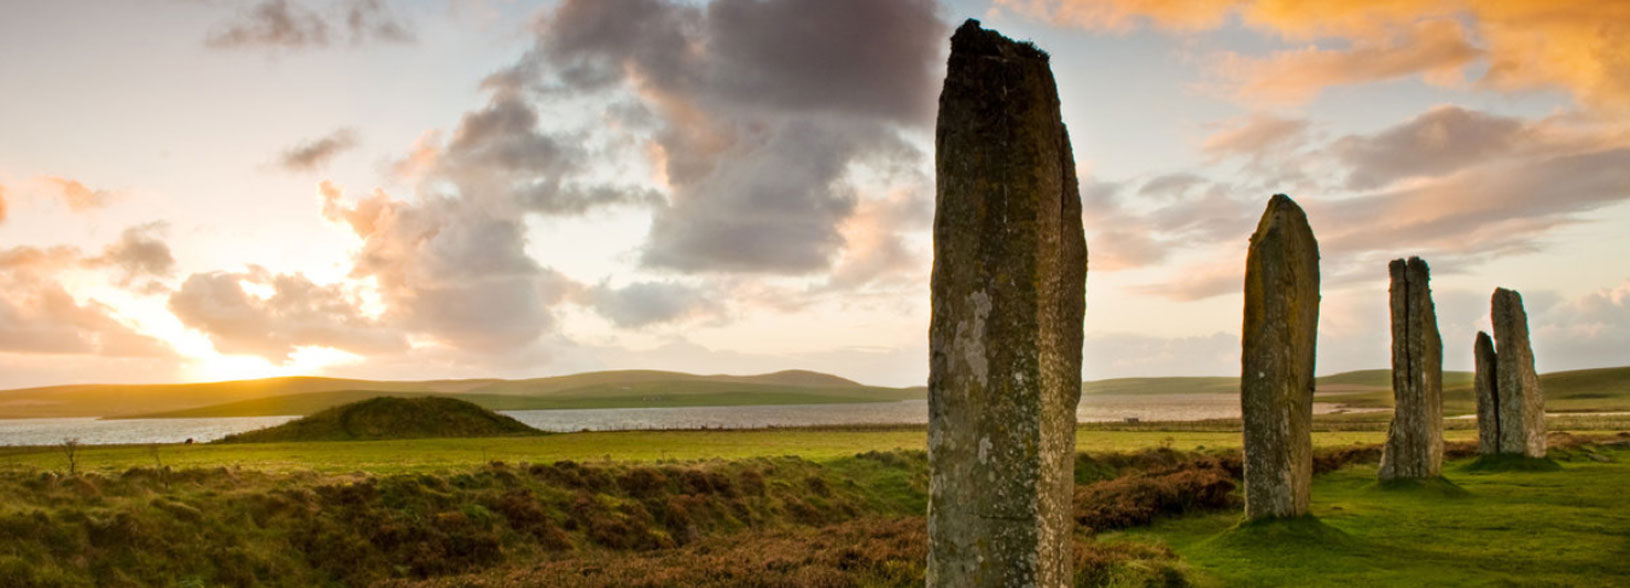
(462,189)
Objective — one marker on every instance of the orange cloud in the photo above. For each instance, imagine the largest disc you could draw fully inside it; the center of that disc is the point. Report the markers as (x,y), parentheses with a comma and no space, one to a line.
(79,197)
(39,315)
(1573,45)
(1126,15)
(1437,49)
(1254,134)
(2,204)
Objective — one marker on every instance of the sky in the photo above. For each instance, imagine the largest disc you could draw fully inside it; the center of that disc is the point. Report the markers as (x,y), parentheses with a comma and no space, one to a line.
(196,190)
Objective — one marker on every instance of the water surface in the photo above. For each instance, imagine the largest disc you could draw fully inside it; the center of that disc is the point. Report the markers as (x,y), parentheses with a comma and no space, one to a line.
(1095,408)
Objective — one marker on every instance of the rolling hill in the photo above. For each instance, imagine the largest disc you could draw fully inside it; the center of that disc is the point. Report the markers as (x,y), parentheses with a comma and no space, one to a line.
(306,395)
(387,417)
(1591,390)
(1605,389)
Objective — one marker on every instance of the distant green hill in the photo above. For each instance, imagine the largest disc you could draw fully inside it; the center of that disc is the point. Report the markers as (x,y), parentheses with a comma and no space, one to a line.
(115,399)
(1592,390)
(635,394)
(388,417)
(305,395)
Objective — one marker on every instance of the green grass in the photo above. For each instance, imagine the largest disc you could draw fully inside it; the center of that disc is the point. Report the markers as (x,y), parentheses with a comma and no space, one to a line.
(1565,528)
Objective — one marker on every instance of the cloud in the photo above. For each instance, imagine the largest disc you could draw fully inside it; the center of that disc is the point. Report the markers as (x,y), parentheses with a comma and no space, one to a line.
(1441,140)
(2,204)
(139,252)
(773,208)
(1255,135)
(875,250)
(1127,15)
(1526,44)
(646,303)
(295,313)
(1222,274)
(1458,186)
(79,197)
(764,110)
(1132,355)
(1589,331)
(1437,49)
(499,153)
(1168,213)
(1475,214)
(290,24)
(38,315)
(453,269)
(316,153)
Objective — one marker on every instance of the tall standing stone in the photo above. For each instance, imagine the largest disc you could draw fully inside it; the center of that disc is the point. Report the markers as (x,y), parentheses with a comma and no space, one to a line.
(1485,381)
(1414,447)
(1009,289)
(1522,404)
(1276,380)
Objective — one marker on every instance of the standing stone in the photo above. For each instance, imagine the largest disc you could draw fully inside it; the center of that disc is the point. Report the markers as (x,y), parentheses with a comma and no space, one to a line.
(1009,293)
(1276,380)
(1414,447)
(1486,382)
(1522,405)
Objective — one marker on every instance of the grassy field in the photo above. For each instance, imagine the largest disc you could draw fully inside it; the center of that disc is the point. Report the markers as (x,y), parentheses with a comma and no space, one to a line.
(430,455)
(1564,528)
(737,509)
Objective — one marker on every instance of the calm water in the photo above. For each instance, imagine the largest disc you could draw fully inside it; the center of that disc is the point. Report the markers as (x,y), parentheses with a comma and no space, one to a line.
(1098,408)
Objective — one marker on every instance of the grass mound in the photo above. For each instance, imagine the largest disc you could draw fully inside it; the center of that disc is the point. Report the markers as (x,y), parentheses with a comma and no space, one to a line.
(1282,534)
(1433,487)
(388,417)
(1511,463)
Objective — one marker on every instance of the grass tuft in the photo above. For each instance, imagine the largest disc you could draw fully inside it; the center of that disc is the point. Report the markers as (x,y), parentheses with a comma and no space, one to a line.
(1279,534)
(1434,487)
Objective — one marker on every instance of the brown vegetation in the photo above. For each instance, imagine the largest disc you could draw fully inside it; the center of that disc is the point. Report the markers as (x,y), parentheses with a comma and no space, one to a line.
(758,522)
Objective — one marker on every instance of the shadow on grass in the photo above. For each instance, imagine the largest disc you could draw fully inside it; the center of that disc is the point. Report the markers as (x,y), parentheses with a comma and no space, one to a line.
(1438,487)
(1505,462)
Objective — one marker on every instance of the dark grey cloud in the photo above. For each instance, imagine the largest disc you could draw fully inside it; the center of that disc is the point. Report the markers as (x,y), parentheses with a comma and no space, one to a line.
(292,24)
(297,313)
(645,303)
(765,107)
(773,208)
(1439,141)
(500,153)
(316,153)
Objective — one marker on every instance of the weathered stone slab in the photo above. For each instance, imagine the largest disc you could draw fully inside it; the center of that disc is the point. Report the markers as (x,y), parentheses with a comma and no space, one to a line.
(1486,383)
(1276,380)
(1414,447)
(1008,293)
(1522,404)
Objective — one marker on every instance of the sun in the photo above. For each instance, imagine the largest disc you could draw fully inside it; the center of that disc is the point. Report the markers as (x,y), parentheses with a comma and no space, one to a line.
(199,361)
